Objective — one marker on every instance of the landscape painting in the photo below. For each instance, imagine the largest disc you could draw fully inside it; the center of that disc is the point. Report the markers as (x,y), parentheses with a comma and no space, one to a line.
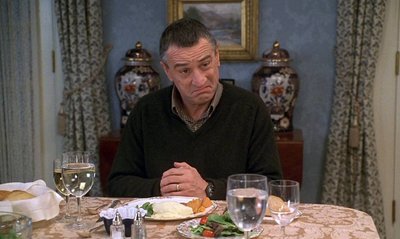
(223,19)
(234,23)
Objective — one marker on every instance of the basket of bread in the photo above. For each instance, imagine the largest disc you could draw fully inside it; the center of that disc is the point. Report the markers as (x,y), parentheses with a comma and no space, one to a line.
(34,200)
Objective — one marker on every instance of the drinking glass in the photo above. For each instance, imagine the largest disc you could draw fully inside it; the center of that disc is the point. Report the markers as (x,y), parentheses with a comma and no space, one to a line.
(78,172)
(57,176)
(283,201)
(247,198)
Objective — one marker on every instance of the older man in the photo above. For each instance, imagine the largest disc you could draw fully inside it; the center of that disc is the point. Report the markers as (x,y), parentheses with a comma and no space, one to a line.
(186,139)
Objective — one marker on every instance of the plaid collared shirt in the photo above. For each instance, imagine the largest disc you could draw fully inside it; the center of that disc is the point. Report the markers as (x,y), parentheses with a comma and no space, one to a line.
(194,125)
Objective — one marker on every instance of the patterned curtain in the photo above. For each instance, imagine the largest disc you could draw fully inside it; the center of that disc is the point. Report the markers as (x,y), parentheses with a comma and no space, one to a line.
(351,171)
(17,130)
(86,103)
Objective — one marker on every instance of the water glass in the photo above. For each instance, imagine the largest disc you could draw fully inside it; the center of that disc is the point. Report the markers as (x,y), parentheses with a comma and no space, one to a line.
(247,198)
(15,225)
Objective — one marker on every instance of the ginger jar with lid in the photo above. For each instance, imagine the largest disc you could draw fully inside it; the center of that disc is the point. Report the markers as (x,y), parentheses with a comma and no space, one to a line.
(277,84)
(135,79)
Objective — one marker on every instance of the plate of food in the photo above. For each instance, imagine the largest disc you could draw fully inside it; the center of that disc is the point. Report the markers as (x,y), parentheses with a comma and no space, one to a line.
(174,207)
(214,225)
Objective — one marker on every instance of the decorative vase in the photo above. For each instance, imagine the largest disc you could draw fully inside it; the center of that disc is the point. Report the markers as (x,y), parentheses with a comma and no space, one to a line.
(135,79)
(277,84)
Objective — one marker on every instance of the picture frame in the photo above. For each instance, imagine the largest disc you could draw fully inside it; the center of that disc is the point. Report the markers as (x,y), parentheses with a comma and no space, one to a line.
(234,23)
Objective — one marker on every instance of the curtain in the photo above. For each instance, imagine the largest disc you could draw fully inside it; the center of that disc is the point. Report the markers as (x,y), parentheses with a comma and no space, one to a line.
(16,86)
(86,103)
(351,173)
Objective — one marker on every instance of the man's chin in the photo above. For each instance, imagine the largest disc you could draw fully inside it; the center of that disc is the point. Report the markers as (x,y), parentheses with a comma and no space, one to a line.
(204,99)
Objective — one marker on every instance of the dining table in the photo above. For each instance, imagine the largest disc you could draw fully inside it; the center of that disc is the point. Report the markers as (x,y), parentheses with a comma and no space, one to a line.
(315,221)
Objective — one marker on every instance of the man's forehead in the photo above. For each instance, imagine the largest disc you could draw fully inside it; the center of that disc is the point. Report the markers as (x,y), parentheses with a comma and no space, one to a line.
(195,53)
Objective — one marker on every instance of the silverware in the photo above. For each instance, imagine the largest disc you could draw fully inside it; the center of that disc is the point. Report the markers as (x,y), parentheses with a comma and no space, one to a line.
(88,233)
(97,225)
(94,211)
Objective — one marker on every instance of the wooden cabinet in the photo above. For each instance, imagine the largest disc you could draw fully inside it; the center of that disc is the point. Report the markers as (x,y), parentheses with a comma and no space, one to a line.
(290,146)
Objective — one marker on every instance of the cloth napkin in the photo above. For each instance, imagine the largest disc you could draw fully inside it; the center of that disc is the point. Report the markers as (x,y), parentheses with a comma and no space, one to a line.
(126,212)
(42,207)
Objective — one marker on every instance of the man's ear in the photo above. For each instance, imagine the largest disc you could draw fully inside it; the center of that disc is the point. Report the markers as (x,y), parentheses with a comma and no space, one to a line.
(217,56)
(164,66)
(166,69)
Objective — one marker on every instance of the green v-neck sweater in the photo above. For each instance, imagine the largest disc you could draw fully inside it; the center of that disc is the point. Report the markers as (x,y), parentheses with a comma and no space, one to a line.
(237,138)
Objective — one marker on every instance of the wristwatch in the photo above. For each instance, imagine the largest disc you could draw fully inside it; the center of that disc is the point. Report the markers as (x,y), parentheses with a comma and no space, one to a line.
(210,189)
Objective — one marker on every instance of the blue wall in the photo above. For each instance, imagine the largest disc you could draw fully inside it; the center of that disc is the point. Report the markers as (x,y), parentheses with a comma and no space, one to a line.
(305,28)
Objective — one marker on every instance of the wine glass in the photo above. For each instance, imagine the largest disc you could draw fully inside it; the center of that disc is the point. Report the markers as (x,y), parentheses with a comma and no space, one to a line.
(247,198)
(283,201)
(78,172)
(57,176)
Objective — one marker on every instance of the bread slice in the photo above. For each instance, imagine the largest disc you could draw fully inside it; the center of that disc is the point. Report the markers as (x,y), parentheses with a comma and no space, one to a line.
(18,195)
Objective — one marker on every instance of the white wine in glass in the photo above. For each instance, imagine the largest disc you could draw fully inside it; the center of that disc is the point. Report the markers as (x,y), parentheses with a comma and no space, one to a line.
(247,199)
(283,201)
(57,176)
(78,172)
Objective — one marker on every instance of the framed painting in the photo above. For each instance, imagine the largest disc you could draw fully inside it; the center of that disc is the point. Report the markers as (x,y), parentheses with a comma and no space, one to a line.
(234,23)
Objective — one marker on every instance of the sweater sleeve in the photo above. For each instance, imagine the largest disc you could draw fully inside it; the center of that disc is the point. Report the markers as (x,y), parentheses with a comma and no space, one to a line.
(128,175)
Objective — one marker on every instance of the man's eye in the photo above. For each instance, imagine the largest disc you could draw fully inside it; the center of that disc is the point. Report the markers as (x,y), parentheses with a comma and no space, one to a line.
(184,71)
(207,63)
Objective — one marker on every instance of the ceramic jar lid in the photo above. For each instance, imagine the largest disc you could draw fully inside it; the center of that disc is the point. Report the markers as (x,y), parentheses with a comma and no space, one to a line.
(277,56)
(137,56)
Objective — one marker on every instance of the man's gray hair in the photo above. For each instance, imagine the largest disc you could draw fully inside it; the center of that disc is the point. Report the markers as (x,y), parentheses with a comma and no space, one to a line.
(185,32)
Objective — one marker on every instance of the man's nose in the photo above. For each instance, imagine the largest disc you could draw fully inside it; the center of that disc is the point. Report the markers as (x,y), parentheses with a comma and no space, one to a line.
(198,78)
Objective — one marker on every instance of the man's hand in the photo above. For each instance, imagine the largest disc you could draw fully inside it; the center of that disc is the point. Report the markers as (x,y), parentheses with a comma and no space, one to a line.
(182,180)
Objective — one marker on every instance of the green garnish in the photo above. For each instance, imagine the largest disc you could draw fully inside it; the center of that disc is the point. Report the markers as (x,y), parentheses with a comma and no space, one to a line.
(149,208)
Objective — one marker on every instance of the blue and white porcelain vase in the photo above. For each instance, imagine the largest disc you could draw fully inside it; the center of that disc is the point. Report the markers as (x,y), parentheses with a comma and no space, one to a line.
(135,79)
(277,84)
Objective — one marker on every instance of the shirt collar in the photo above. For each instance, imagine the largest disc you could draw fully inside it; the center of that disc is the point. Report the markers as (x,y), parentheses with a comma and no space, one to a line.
(176,100)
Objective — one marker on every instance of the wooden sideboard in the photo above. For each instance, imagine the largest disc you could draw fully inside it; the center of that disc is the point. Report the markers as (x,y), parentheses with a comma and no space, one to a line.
(290,147)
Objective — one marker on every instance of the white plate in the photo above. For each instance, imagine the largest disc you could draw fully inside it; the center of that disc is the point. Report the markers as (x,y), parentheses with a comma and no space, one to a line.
(184,230)
(140,202)
(270,218)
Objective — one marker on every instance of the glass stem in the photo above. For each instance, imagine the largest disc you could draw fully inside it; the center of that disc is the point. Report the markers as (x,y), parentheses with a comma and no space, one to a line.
(67,215)
(79,218)
(247,234)
(283,231)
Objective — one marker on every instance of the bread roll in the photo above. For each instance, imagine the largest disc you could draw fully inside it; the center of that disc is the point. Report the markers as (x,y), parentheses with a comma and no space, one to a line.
(276,204)
(18,195)
(4,194)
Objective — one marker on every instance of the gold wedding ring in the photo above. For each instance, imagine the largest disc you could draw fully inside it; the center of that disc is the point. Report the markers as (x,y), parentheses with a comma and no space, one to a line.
(178,187)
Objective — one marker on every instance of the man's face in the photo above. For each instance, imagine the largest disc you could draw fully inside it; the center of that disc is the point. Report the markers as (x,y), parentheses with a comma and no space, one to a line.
(194,71)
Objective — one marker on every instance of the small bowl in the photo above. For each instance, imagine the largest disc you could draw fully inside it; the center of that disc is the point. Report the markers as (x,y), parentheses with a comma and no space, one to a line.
(127,223)
(15,225)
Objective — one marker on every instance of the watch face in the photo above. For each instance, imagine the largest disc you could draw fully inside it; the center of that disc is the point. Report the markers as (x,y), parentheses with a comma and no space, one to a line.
(210,190)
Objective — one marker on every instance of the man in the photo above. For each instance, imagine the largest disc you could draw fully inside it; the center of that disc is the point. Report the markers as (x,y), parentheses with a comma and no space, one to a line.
(186,139)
